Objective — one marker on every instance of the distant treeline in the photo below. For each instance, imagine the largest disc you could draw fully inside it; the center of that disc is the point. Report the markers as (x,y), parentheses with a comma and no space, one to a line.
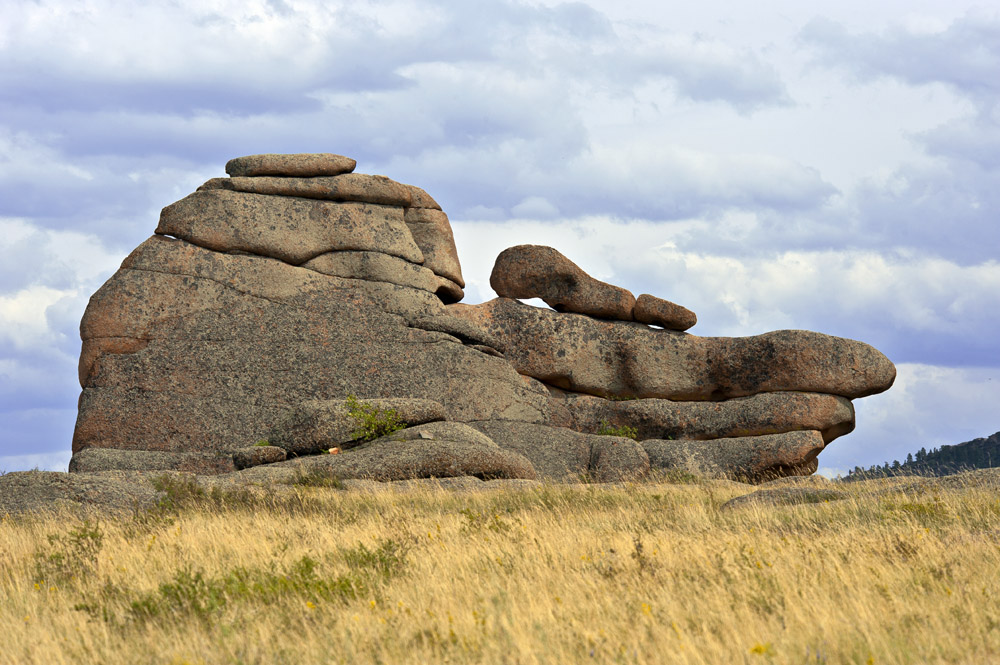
(975,454)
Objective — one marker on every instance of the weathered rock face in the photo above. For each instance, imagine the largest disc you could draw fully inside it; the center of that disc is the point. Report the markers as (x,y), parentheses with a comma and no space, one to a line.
(663,313)
(534,271)
(763,413)
(347,187)
(745,458)
(287,228)
(267,299)
(627,359)
(318,425)
(301,165)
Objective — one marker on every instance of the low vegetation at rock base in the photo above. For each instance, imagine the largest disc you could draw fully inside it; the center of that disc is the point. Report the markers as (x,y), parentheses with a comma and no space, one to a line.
(650,573)
(372,422)
(627,431)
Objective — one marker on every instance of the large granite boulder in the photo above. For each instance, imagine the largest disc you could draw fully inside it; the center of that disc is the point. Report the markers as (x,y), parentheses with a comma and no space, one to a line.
(316,426)
(629,359)
(754,415)
(267,299)
(659,312)
(435,450)
(535,271)
(750,458)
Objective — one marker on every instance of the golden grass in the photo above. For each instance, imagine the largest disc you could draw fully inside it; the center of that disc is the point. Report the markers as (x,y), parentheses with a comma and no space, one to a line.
(554,574)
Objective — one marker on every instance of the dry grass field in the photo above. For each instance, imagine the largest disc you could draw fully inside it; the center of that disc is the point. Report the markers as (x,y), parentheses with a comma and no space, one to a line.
(650,573)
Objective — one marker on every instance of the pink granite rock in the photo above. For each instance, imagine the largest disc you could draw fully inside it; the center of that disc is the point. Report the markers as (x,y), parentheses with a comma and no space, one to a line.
(663,313)
(301,165)
(535,271)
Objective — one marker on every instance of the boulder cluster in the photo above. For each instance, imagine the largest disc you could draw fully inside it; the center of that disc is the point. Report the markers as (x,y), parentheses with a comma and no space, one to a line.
(297,309)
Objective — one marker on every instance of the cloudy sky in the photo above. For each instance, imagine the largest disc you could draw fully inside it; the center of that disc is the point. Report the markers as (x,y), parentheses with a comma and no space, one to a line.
(833,166)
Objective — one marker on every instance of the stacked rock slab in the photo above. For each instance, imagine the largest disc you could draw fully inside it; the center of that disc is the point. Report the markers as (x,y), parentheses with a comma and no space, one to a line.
(246,306)
(267,301)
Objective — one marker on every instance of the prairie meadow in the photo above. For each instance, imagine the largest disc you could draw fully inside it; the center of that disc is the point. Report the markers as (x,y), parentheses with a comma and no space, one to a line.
(644,573)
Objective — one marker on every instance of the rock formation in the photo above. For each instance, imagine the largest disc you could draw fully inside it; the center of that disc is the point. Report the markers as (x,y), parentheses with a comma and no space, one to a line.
(270,302)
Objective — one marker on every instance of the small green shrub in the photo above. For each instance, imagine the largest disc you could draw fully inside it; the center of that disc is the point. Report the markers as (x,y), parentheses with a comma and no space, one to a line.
(607,429)
(179,492)
(184,493)
(385,561)
(72,556)
(190,592)
(263,442)
(372,422)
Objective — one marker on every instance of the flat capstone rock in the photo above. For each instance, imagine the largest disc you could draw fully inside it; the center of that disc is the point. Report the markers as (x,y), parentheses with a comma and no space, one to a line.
(303,165)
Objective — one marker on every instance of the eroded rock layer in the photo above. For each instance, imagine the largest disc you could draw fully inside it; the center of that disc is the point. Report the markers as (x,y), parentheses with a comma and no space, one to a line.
(269,305)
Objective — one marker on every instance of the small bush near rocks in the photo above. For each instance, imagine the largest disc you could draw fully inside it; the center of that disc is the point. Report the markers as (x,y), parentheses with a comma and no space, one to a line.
(179,492)
(372,422)
(607,429)
(70,556)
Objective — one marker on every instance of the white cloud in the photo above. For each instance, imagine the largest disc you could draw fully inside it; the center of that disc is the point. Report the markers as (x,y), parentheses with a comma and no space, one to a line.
(23,315)
(535,207)
(264,58)
(28,158)
(56,461)
(908,304)
(39,257)
(964,56)
(974,139)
